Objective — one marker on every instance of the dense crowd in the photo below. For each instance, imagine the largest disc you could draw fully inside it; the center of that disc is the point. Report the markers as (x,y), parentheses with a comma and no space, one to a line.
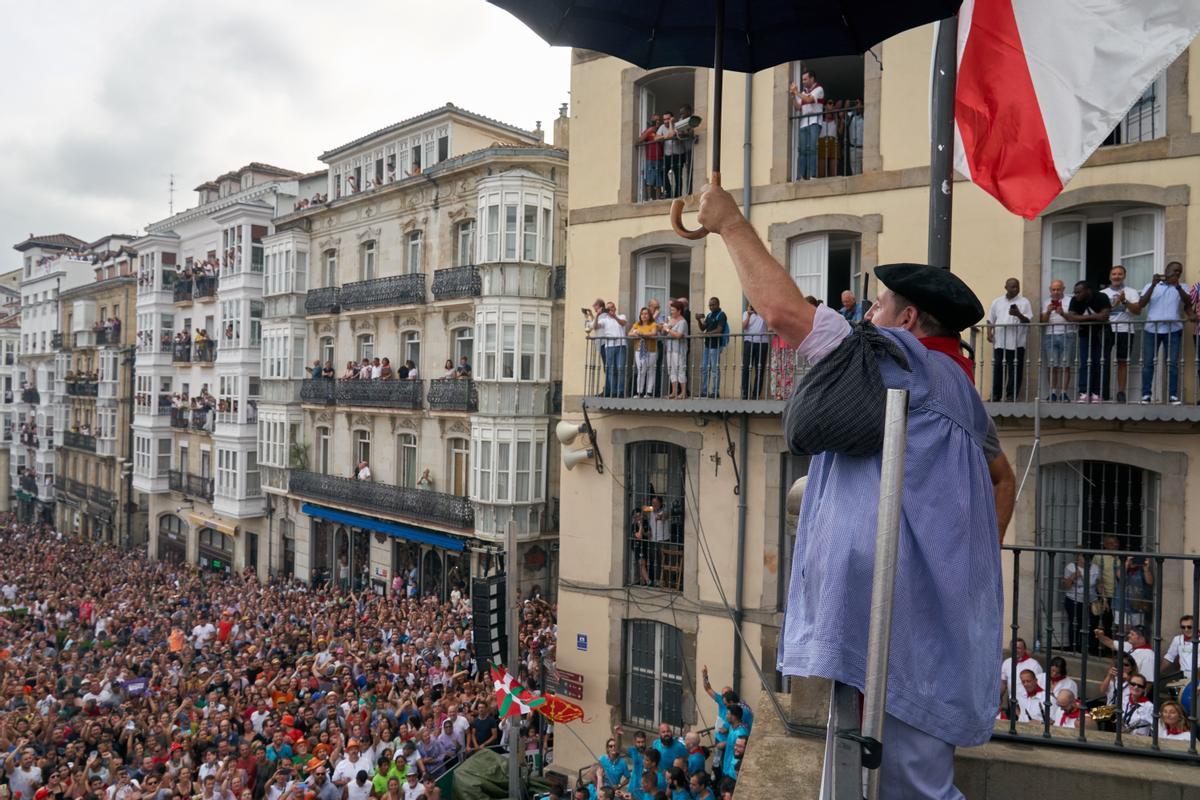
(150,681)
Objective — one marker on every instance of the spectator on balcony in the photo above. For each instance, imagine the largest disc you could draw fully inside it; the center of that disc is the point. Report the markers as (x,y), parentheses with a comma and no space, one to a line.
(1122,299)
(644,334)
(652,157)
(402,372)
(809,99)
(413,374)
(685,142)
(1058,343)
(362,471)
(315,369)
(829,154)
(376,369)
(666,135)
(675,329)
(1090,310)
(715,326)
(1078,597)
(1179,652)
(364,370)
(609,328)
(1173,723)
(386,373)
(756,351)
(851,310)
(1007,330)
(1166,304)
(449,370)
(351,371)
(464,367)
(1137,645)
(1067,711)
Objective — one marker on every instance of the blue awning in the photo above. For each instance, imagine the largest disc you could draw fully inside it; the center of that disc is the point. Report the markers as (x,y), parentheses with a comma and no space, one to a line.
(394,529)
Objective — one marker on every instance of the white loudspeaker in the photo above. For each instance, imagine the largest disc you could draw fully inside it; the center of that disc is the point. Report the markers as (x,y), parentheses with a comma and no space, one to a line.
(795,496)
(567,431)
(573,457)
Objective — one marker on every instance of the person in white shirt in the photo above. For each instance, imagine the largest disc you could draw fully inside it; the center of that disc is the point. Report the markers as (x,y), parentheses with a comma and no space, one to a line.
(610,328)
(1179,652)
(201,633)
(1077,598)
(1024,662)
(1137,644)
(1166,304)
(1138,715)
(1058,343)
(756,349)
(364,471)
(1008,330)
(412,788)
(360,787)
(1057,679)
(1031,698)
(348,768)
(1066,713)
(1122,299)
(1173,722)
(809,99)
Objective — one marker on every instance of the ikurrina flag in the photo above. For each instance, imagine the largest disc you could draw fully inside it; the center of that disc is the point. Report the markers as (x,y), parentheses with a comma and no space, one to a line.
(512,698)
(1041,83)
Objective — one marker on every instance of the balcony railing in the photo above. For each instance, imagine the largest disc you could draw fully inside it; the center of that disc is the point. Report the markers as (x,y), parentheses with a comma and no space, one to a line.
(30,396)
(79,441)
(202,419)
(1144,122)
(102,496)
(453,394)
(77,488)
(322,301)
(204,352)
(30,439)
(456,282)
(1133,370)
(175,480)
(379,393)
(190,485)
(828,144)
(418,504)
(394,290)
(204,287)
(755,372)
(83,388)
(664,169)
(59,342)
(181,352)
(317,390)
(108,336)
(179,418)
(183,290)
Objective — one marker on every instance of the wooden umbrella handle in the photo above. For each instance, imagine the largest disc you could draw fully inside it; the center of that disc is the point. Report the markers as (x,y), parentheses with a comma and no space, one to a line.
(677,215)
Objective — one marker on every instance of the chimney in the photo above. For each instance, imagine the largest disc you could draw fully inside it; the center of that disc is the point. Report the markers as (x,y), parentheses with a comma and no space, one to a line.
(538,132)
(562,127)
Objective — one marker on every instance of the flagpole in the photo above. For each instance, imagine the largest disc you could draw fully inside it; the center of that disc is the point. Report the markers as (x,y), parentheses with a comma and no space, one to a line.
(514,654)
(941,142)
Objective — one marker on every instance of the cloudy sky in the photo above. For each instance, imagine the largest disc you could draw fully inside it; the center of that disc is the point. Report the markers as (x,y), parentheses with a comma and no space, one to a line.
(102,102)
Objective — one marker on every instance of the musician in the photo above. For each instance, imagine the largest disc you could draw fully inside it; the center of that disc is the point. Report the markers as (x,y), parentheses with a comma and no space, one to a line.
(957,501)
(1031,699)
(1066,713)
(1179,653)
(1137,644)
(1024,661)
(1138,716)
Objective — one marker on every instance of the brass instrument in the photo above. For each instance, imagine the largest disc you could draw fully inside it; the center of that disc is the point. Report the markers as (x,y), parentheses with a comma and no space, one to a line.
(1103,713)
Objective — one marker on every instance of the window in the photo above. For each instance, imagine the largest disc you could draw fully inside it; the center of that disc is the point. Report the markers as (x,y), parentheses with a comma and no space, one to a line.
(163,465)
(324,450)
(655,499)
(330,262)
(654,670)
(256,315)
(825,265)
(406,461)
(459,459)
(366,346)
(465,239)
(362,446)
(227,472)
(326,349)
(514,344)
(231,323)
(510,463)
(662,275)
(367,270)
(412,252)
(257,232)
(1147,119)
(464,344)
(517,222)
(410,348)
(1086,243)
(253,476)
(141,455)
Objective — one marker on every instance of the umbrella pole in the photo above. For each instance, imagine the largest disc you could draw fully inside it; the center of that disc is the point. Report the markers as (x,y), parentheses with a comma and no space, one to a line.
(941,145)
(718,85)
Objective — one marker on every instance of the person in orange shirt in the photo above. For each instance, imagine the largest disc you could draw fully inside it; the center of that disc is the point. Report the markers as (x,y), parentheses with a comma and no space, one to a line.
(175,640)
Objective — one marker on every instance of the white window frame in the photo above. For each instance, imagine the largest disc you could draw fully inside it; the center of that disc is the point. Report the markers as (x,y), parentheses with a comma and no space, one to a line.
(407,454)
(368,260)
(1080,220)
(414,245)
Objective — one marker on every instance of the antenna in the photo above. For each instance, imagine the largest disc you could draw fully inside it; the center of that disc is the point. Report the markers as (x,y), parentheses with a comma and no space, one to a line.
(171,196)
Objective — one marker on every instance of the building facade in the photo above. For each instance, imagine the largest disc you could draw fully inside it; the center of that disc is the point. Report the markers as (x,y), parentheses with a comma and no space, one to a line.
(197,387)
(437,248)
(10,376)
(705,478)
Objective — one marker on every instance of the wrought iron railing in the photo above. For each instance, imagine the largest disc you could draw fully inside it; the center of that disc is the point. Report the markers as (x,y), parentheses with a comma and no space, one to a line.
(179,418)
(324,300)
(204,352)
(59,342)
(30,396)
(394,290)
(83,388)
(379,393)
(181,352)
(200,418)
(317,390)
(30,439)
(453,394)
(419,504)
(205,286)
(456,282)
(198,486)
(80,441)
(175,480)
(827,144)
(664,169)
(182,291)
(77,488)
(102,496)
(108,336)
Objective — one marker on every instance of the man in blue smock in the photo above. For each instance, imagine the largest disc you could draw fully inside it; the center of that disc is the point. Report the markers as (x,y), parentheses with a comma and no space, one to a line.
(957,499)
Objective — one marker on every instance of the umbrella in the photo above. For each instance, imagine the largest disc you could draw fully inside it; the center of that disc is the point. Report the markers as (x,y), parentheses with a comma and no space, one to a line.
(743,35)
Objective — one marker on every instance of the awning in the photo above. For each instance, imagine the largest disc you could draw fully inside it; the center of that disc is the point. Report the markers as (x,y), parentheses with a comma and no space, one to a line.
(394,529)
(201,521)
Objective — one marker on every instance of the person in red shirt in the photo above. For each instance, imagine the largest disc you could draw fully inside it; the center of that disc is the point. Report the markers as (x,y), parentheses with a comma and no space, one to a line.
(652,153)
(225,626)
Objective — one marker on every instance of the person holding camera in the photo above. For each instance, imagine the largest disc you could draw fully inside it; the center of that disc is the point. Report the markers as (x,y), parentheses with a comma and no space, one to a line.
(1166,304)
(1058,343)
(1008,330)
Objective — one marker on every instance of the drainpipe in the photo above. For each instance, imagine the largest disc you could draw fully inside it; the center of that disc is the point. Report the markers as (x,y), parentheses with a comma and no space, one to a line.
(128,360)
(744,432)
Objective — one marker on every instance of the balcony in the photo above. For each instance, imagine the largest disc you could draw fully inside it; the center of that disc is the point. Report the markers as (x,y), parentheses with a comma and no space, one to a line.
(30,439)
(108,336)
(191,485)
(181,353)
(106,447)
(1074,371)
(316,390)
(182,291)
(379,394)
(59,342)
(179,418)
(322,301)
(456,282)
(417,504)
(80,441)
(77,488)
(827,144)
(453,394)
(661,176)
(202,419)
(101,496)
(394,290)
(30,396)
(748,375)
(204,352)
(83,388)
(205,287)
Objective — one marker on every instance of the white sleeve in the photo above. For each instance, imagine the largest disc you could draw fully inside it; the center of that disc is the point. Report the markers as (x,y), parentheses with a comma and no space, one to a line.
(991,315)
(1172,651)
(818,94)
(1026,307)
(829,329)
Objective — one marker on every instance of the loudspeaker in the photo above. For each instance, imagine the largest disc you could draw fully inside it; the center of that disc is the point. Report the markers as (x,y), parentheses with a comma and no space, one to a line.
(572,458)
(567,431)
(489,620)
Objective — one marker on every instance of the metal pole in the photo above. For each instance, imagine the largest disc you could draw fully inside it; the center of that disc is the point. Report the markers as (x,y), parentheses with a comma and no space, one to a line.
(718,80)
(514,645)
(883,582)
(941,144)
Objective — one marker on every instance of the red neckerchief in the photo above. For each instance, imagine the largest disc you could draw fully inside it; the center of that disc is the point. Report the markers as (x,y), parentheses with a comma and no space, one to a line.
(1035,692)
(1071,714)
(949,346)
(1143,647)
(1175,731)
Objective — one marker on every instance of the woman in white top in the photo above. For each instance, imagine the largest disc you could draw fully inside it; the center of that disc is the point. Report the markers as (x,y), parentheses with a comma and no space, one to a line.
(1172,722)
(675,330)
(1078,598)
(1058,680)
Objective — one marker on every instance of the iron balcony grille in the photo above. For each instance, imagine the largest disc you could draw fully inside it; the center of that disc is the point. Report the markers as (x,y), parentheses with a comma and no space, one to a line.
(182,291)
(453,394)
(379,393)
(79,441)
(456,282)
(316,390)
(83,388)
(394,290)
(418,504)
(205,286)
(322,301)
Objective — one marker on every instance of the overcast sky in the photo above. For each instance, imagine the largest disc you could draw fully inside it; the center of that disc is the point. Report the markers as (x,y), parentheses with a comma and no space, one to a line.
(102,102)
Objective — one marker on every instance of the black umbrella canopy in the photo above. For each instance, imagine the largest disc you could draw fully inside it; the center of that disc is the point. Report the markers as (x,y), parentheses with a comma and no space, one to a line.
(758,33)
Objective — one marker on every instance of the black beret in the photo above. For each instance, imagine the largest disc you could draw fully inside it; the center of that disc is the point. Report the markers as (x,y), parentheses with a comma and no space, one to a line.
(935,291)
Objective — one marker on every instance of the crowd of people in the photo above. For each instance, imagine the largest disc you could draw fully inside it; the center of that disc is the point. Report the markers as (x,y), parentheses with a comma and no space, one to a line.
(666,146)
(153,681)
(829,133)
(110,327)
(379,368)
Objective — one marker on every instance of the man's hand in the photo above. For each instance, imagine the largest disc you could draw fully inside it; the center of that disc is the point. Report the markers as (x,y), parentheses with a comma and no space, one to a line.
(718,210)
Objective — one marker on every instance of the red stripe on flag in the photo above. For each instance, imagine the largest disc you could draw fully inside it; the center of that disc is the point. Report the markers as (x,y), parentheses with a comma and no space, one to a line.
(996,109)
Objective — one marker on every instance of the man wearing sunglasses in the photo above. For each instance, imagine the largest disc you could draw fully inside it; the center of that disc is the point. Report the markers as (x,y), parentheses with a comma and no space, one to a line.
(1138,717)
(1180,651)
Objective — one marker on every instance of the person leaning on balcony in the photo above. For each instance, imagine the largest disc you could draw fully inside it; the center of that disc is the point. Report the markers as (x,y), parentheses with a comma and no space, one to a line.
(809,99)
(385,370)
(376,369)
(449,370)
(756,350)
(1007,331)
(957,502)
(1166,304)
(411,366)
(1058,342)
(666,135)
(351,371)
(685,141)
(1121,298)
(610,329)
(644,334)
(328,372)
(1089,310)
(652,156)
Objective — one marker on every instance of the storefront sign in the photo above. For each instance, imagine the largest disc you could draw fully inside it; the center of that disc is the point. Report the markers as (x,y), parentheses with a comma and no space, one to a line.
(568,684)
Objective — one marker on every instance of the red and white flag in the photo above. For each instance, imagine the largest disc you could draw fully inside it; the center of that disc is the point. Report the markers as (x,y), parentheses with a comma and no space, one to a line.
(1041,83)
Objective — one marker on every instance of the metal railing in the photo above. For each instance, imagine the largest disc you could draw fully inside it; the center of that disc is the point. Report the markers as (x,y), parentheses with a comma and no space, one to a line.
(394,290)
(108,336)
(664,169)
(80,441)
(827,144)
(76,487)
(179,418)
(204,352)
(325,300)
(30,439)
(181,352)
(59,342)
(755,367)
(198,486)
(182,291)
(83,388)
(102,496)
(1142,123)
(456,282)
(379,393)
(205,286)
(30,396)
(202,419)
(1135,362)
(424,504)
(1125,604)
(453,394)
(317,390)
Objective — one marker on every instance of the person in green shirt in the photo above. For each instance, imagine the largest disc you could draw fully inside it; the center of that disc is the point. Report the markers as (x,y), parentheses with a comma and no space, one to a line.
(386,769)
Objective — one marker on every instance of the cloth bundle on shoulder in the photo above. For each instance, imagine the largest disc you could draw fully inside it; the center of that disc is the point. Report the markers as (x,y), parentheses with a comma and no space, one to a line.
(838,407)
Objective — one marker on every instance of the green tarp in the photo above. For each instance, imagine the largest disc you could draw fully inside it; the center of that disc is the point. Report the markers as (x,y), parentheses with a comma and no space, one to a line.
(484,776)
